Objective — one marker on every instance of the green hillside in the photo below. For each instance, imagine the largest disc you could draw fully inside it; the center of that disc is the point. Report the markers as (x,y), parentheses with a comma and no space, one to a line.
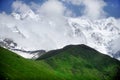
(83,63)
(14,67)
(70,63)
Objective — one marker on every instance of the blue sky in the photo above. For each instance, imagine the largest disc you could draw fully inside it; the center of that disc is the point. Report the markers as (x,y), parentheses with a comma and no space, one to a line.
(112,8)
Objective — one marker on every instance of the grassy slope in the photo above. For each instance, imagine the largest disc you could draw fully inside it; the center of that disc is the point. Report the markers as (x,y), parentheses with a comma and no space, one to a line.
(69,63)
(83,63)
(14,67)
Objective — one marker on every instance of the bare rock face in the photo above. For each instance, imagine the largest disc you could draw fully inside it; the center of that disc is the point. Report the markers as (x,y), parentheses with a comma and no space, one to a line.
(8,43)
(11,45)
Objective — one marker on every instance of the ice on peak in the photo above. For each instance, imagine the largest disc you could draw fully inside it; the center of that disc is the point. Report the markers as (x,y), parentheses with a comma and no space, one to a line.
(51,33)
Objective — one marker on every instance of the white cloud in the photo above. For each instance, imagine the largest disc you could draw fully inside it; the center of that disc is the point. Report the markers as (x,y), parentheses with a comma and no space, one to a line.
(92,8)
(52,8)
(69,13)
(20,7)
(74,2)
(47,32)
(51,29)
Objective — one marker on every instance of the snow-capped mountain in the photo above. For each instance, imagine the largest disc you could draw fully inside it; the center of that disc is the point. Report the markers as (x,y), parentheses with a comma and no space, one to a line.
(30,32)
(11,45)
(100,34)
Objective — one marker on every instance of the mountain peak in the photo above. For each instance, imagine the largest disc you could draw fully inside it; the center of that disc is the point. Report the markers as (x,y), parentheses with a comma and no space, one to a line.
(51,33)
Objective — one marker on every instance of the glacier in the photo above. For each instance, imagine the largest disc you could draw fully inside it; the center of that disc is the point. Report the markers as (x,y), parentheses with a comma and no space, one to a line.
(31,31)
